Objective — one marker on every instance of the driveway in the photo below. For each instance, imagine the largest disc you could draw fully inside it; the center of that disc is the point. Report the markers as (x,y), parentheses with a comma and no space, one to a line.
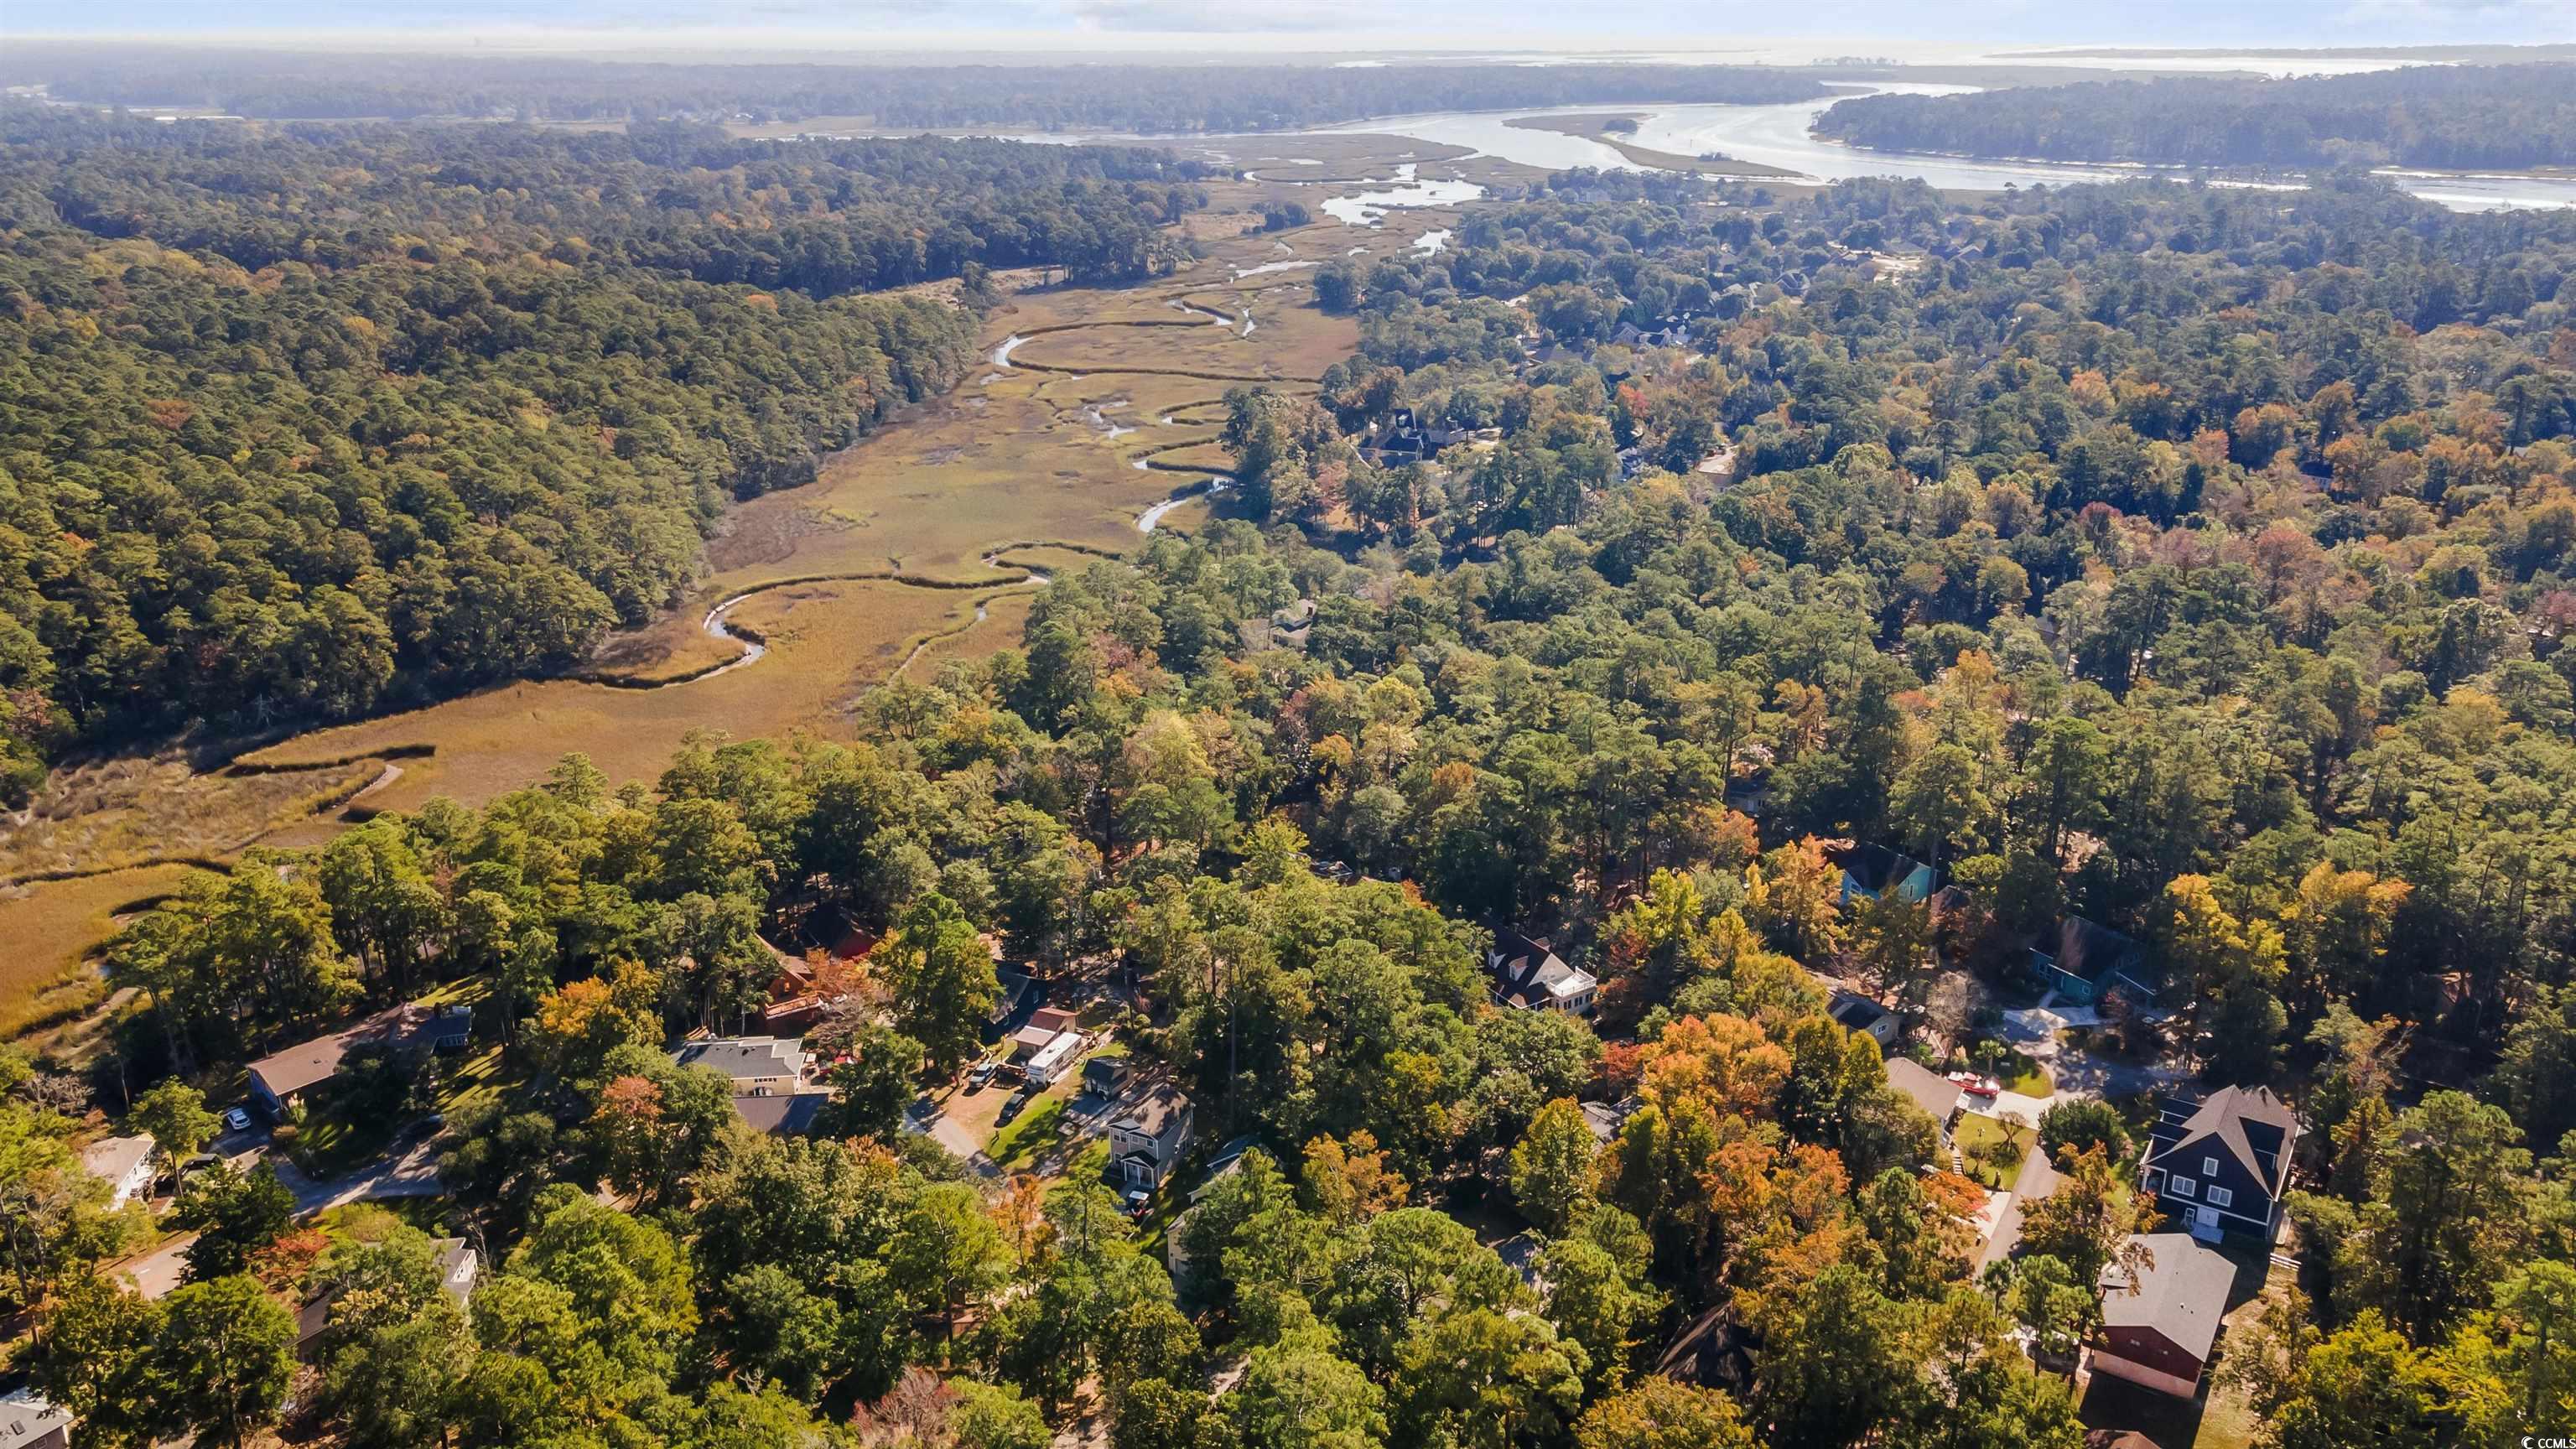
(925,1117)
(2081,1074)
(412,1173)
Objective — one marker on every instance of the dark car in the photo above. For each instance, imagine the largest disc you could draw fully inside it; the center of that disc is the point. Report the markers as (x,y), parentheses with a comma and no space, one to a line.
(1011,1108)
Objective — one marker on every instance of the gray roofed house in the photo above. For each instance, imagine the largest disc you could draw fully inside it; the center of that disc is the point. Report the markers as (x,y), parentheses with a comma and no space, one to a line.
(1607,1118)
(2159,1331)
(2037,1180)
(760,1066)
(1149,1137)
(458,1266)
(124,1164)
(1936,1094)
(29,1422)
(789,1114)
(1529,975)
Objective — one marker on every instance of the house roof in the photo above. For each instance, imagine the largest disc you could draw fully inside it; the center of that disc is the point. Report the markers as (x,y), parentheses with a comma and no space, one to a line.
(2255,1126)
(1712,1351)
(1015,986)
(1154,1114)
(25,1417)
(311,1063)
(1875,868)
(1053,1018)
(1934,1093)
(306,1064)
(112,1159)
(1527,972)
(1854,1012)
(457,1267)
(791,1115)
(1607,1118)
(745,1058)
(2037,1180)
(2087,950)
(2182,1295)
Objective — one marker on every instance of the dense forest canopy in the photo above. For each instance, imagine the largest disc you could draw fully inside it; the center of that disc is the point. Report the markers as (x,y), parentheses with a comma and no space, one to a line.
(2461,116)
(2198,560)
(1157,98)
(297,423)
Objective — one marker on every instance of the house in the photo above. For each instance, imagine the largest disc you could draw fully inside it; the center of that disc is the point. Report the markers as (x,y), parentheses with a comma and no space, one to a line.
(759,1066)
(1046,1045)
(1872,871)
(1146,1139)
(281,1079)
(1936,1094)
(458,1267)
(1713,1351)
(1227,1162)
(2220,1166)
(1857,1013)
(2158,1329)
(790,1114)
(2084,962)
(1016,987)
(28,1422)
(1529,976)
(1607,1118)
(125,1165)
(1102,1076)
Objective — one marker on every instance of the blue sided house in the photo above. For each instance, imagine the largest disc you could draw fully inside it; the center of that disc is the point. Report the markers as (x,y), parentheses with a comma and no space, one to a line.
(1873,871)
(2083,963)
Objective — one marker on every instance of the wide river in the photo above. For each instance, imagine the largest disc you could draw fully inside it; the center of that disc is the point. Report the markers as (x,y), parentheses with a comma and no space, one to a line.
(1778,136)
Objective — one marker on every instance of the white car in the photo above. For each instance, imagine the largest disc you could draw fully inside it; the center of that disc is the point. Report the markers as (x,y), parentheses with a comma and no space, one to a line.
(236,1119)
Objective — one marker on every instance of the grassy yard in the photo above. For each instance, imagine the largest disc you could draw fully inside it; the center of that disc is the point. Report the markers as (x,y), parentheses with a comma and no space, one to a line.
(1017,1146)
(2021,1074)
(1975,1132)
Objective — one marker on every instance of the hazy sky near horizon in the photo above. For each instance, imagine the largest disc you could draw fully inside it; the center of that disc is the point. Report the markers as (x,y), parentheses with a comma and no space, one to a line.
(1954,26)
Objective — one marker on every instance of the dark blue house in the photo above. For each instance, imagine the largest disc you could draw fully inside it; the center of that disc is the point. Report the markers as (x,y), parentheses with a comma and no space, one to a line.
(2220,1165)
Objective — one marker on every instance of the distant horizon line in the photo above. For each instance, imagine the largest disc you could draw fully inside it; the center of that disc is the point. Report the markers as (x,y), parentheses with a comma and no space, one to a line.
(738,45)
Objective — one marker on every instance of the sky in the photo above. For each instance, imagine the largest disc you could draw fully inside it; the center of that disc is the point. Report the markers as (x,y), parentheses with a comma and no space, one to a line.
(1911,29)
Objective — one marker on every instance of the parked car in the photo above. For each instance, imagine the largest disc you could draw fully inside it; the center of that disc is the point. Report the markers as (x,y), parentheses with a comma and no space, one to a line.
(1139,1202)
(1011,1108)
(983,1074)
(236,1119)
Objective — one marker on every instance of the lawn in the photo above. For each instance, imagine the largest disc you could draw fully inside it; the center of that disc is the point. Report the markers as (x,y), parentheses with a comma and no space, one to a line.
(1016,1147)
(1975,1131)
(2026,1077)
